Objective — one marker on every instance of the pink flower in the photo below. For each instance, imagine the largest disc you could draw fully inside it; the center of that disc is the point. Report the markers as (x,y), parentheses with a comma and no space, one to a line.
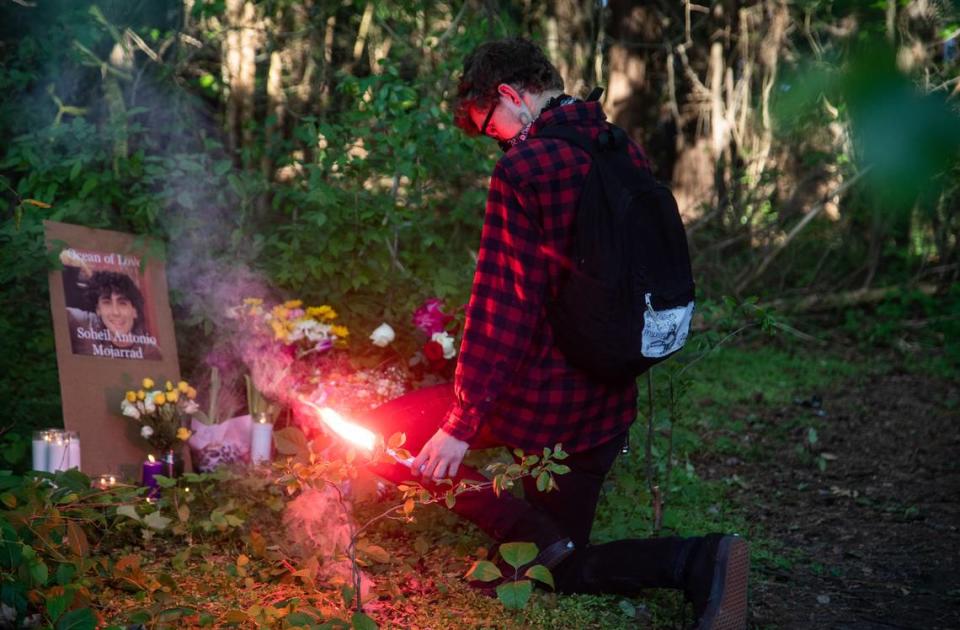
(430,318)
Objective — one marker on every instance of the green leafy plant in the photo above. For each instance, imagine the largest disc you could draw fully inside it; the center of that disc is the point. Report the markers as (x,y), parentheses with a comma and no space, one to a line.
(52,524)
(14,447)
(516,590)
(305,468)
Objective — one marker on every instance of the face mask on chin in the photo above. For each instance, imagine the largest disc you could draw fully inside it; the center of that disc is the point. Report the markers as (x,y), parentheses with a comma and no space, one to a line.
(520,136)
(506,145)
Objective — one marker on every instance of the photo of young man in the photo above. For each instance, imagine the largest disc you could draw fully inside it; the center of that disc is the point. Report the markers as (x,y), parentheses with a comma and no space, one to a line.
(106,310)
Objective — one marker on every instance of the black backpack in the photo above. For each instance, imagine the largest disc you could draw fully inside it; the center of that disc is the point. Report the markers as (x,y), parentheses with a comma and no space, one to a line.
(625,302)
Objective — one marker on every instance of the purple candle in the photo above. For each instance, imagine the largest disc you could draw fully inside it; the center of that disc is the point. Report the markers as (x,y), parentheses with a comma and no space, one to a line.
(151,468)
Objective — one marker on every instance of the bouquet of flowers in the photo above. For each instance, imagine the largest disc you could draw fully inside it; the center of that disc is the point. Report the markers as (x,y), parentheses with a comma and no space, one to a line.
(293,350)
(162,413)
(440,329)
(426,356)
(306,330)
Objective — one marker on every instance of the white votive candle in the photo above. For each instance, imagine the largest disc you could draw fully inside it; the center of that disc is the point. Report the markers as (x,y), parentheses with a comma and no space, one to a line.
(41,440)
(261,441)
(73,450)
(57,453)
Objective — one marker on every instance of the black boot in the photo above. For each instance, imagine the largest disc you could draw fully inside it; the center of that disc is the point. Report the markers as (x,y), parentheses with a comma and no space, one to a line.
(715,575)
(711,571)
(624,567)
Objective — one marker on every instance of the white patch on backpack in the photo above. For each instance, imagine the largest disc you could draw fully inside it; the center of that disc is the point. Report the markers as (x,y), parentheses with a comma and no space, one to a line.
(665,331)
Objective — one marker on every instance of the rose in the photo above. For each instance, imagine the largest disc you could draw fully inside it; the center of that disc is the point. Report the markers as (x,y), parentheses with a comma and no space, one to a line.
(146,432)
(433,351)
(383,335)
(430,318)
(446,343)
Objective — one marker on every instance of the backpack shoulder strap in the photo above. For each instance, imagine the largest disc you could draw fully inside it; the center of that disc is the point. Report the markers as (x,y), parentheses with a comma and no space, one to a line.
(613,139)
(571,135)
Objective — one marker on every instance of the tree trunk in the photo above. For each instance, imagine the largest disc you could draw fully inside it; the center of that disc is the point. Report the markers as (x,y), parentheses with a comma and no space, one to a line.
(630,102)
(571,35)
(121,57)
(640,93)
(276,112)
(238,69)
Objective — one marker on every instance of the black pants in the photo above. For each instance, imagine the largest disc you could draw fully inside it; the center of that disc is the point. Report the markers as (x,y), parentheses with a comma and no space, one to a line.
(621,566)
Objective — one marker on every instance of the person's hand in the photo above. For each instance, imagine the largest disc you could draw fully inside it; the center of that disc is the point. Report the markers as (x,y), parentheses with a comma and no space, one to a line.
(440,457)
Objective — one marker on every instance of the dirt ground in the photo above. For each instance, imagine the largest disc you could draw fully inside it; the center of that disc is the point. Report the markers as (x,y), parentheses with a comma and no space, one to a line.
(873,540)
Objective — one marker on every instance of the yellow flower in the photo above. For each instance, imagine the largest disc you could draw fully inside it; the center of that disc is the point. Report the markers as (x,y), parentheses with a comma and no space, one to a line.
(339,331)
(183,386)
(169,386)
(279,330)
(173,396)
(159,398)
(293,304)
(324,312)
(191,393)
(141,394)
(148,383)
(252,301)
(131,396)
(183,433)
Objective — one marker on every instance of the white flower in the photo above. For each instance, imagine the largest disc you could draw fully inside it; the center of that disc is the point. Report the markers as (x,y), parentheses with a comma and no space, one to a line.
(317,331)
(146,432)
(148,405)
(191,407)
(295,335)
(383,335)
(446,341)
(129,409)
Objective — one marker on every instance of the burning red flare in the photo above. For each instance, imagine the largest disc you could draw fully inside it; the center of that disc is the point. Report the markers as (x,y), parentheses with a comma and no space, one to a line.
(352,432)
(349,431)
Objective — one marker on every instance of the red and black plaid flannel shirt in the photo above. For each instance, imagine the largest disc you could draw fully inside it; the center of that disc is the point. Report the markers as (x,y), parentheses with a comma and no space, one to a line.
(510,377)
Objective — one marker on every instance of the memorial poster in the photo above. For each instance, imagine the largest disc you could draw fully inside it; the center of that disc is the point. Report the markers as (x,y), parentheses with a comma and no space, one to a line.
(113,327)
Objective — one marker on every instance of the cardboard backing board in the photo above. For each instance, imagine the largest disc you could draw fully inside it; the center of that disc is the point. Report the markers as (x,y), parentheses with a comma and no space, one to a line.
(113,327)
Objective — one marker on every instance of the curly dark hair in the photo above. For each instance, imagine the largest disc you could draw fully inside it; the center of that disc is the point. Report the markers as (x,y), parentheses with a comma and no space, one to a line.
(106,283)
(515,61)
